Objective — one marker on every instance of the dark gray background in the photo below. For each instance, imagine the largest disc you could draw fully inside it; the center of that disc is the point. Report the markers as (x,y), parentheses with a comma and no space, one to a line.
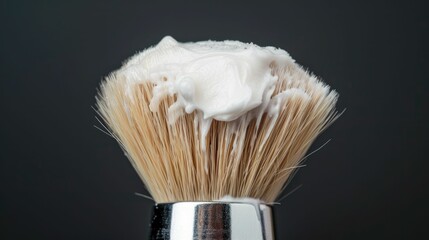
(63,179)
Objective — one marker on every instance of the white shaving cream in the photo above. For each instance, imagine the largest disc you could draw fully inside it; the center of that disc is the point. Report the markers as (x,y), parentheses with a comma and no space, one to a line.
(224,81)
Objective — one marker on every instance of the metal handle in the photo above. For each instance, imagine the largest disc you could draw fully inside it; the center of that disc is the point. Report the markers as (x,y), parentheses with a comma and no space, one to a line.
(212,221)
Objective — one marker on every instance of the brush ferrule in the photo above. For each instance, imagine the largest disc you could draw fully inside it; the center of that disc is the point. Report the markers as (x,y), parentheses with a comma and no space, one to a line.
(212,220)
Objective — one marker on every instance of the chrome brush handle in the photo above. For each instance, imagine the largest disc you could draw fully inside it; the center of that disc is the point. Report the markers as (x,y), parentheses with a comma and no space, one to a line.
(212,221)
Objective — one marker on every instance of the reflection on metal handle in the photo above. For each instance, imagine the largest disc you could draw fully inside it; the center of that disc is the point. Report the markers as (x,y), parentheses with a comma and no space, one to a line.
(212,221)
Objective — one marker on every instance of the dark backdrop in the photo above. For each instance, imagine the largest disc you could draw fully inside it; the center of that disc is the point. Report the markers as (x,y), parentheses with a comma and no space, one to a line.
(63,179)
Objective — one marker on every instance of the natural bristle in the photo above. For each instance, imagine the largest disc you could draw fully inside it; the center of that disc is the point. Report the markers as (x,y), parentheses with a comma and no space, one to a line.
(254,162)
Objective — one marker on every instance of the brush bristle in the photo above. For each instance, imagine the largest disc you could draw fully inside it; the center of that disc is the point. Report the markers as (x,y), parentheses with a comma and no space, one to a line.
(254,162)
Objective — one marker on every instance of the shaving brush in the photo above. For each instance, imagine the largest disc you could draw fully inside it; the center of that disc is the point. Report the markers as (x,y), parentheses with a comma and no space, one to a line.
(214,177)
